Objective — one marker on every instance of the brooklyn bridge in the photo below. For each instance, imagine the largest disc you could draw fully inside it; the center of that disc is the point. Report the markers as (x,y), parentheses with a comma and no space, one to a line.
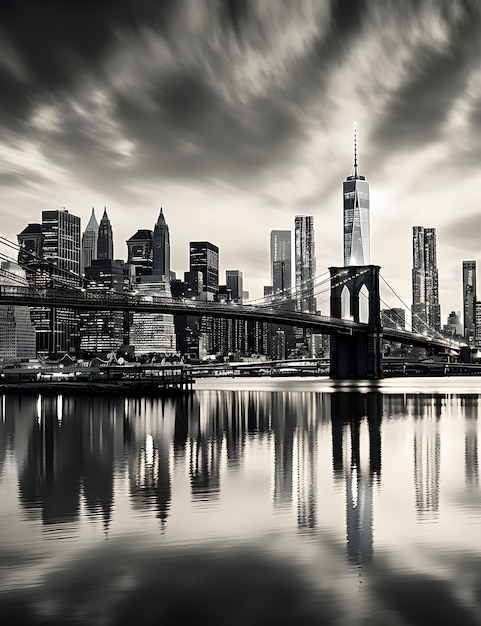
(355,323)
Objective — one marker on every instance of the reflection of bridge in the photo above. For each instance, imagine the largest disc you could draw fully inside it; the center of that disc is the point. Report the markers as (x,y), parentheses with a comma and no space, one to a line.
(356,345)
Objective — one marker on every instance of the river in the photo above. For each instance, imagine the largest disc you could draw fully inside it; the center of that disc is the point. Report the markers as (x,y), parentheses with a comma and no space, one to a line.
(249,502)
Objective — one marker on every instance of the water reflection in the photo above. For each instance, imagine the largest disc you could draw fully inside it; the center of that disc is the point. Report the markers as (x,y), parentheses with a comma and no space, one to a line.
(364,479)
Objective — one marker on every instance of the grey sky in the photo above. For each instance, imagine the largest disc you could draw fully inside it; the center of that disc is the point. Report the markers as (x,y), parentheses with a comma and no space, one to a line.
(238,115)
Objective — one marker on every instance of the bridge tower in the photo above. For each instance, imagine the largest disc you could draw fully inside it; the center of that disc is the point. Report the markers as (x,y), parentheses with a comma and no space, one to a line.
(355,296)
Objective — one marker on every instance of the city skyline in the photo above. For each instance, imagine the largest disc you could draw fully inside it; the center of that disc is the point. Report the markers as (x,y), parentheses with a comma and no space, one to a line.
(237,117)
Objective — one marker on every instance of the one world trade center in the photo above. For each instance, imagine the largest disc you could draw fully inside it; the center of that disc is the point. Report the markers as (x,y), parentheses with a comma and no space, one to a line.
(356,216)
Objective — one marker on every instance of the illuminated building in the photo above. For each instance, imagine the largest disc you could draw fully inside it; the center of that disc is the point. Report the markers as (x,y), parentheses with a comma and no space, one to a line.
(356,216)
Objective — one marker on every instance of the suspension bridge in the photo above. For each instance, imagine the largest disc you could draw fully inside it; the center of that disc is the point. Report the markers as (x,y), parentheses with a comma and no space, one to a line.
(355,322)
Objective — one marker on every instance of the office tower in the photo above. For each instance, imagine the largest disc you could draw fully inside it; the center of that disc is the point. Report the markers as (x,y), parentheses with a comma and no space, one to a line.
(104,331)
(56,242)
(356,216)
(17,333)
(30,254)
(204,257)
(61,244)
(161,249)
(477,324)
(139,255)
(305,263)
(453,326)
(89,241)
(426,311)
(152,332)
(235,282)
(469,299)
(281,273)
(105,241)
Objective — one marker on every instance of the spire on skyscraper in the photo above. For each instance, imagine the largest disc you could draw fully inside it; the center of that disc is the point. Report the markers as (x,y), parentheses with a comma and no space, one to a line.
(355,173)
(105,241)
(92,223)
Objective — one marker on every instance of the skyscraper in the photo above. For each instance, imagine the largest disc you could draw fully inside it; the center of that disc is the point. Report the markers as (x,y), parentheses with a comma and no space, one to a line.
(152,332)
(235,282)
(469,299)
(356,216)
(105,241)
(281,260)
(161,249)
(204,257)
(305,263)
(89,241)
(426,312)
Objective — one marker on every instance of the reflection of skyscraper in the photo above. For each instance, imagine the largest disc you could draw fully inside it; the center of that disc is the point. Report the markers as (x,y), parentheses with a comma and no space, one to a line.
(469,298)
(471,463)
(305,263)
(306,470)
(356,216)
(283,425)
(427,464)
(351,409)
(425,288)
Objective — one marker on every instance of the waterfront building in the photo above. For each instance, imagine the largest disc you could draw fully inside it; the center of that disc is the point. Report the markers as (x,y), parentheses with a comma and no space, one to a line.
(204,258)
(426,311)
(469,299)
(356,216)
(279,345)
(56,245)
(105,241)
(305,261)
(153,332)
(89,242)
(104,331)
(17,333)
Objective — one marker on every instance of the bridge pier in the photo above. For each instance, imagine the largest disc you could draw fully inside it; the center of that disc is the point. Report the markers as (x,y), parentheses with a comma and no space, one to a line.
(356,354)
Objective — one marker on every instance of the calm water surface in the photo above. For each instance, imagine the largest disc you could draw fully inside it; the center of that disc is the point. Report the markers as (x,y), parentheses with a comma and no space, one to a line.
(252,502)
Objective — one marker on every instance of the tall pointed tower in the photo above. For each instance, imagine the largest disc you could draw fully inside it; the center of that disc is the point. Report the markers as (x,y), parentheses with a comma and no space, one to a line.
(356,216)
(89,242)
(161,249)
(105,241)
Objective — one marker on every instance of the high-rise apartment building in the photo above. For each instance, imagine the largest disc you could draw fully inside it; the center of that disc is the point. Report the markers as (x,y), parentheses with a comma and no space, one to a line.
(17,333)
(204,258)
(89,242)
(426,311)
(305,259)
(469,299)
(356,216)
(281,264)
(105,241)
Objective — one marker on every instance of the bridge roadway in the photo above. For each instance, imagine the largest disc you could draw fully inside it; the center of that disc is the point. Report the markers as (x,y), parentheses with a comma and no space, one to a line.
(113,301)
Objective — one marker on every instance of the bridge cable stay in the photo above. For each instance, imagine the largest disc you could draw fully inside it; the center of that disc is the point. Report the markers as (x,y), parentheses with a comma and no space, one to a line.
(45,263)
(414,316)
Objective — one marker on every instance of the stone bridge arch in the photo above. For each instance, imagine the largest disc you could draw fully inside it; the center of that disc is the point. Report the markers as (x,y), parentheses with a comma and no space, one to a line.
(355,296)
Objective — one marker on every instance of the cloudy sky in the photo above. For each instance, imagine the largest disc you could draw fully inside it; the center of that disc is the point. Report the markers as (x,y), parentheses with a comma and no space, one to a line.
(237,115)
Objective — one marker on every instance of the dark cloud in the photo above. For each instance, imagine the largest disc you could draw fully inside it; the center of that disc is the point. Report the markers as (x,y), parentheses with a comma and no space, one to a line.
(417,110)
(55,42)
